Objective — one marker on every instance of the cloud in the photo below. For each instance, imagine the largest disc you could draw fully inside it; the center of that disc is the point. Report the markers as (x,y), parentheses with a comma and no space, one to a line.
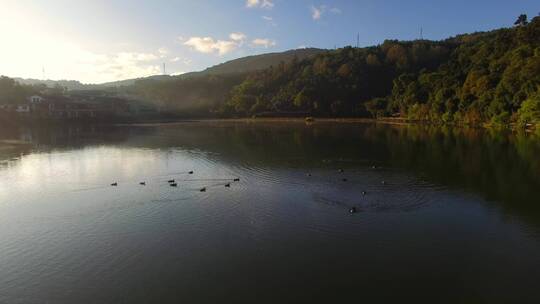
(269,20)
(238,36)
(209,45)
(316,12)
(127,57)
(252,3)
(267,4)
(185,61)
(127,65)
(163,52)
(260,42)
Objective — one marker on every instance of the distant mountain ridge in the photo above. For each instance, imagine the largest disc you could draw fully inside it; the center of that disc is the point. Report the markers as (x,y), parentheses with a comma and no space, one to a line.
(240,65)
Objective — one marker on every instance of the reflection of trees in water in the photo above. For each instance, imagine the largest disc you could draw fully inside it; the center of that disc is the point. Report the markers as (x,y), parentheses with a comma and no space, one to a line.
(502,167)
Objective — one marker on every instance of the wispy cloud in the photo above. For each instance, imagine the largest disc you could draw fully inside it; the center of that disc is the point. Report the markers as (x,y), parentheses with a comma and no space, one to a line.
(263,42)
(163,52)
(267,4)
(185,61)
(317,12)
(269,20)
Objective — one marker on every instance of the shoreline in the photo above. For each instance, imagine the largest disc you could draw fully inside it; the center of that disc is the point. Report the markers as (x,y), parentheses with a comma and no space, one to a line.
(269,120)
(297,120)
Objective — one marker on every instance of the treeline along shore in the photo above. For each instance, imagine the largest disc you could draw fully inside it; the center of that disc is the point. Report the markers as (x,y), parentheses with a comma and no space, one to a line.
(485,78)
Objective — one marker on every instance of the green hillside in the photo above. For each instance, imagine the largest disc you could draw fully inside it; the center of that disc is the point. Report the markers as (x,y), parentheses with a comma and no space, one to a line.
(490,77)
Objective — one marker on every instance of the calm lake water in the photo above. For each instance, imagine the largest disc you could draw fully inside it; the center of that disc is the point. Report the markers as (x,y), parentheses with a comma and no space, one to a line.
(450,215)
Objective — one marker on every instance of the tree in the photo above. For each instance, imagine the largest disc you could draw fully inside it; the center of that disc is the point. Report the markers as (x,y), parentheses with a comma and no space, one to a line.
(521,20)
(377,107)
(301,100)
(11,92)
(529,112)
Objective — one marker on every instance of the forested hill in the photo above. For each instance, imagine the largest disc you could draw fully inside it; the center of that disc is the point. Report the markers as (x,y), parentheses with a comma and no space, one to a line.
(488,77)
(257,62)
(475,78)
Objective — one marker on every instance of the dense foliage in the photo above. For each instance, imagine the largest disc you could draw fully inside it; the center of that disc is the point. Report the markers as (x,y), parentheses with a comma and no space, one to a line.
(11,92)
(476,78)
(487,79)
(337,83)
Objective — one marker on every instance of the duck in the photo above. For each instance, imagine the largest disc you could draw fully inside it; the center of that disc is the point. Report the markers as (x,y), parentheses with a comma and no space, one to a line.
(171,181)
(236,179)
(309,174)
(364,192)
(344,179)
(352,210)
(203,189)
(173,184)
(142,183)
(190,172)
(228,185)
(384,182)
(114,184)
(341,170)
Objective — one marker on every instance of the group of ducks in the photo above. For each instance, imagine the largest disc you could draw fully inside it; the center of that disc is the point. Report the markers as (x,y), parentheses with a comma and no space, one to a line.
(173,183)
(354,209)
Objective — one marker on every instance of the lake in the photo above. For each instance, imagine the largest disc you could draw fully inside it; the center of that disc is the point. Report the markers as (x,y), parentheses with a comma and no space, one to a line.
(442,215)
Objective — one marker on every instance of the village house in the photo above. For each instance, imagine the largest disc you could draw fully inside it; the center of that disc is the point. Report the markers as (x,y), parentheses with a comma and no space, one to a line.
(35,99)
(84,105)
(23,109)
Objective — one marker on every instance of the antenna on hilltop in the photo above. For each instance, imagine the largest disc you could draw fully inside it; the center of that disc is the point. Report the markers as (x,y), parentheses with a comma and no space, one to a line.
(358,40)
(421,33)
(164,70)
(43,72)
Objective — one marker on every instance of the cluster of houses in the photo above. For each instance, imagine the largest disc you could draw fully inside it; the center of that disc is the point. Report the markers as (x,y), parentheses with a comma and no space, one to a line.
(82,105)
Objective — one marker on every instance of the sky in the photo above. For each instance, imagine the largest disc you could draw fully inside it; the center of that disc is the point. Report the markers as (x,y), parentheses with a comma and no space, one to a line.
(107,40)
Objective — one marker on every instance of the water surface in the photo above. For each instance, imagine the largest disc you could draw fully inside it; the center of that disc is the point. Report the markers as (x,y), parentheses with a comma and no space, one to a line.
(449,215)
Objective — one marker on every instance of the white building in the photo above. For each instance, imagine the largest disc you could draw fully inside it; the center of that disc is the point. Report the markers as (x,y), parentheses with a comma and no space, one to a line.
(35,99)
(23,108)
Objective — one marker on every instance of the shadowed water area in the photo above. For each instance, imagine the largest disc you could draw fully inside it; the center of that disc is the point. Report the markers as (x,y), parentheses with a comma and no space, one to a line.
(442,215)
